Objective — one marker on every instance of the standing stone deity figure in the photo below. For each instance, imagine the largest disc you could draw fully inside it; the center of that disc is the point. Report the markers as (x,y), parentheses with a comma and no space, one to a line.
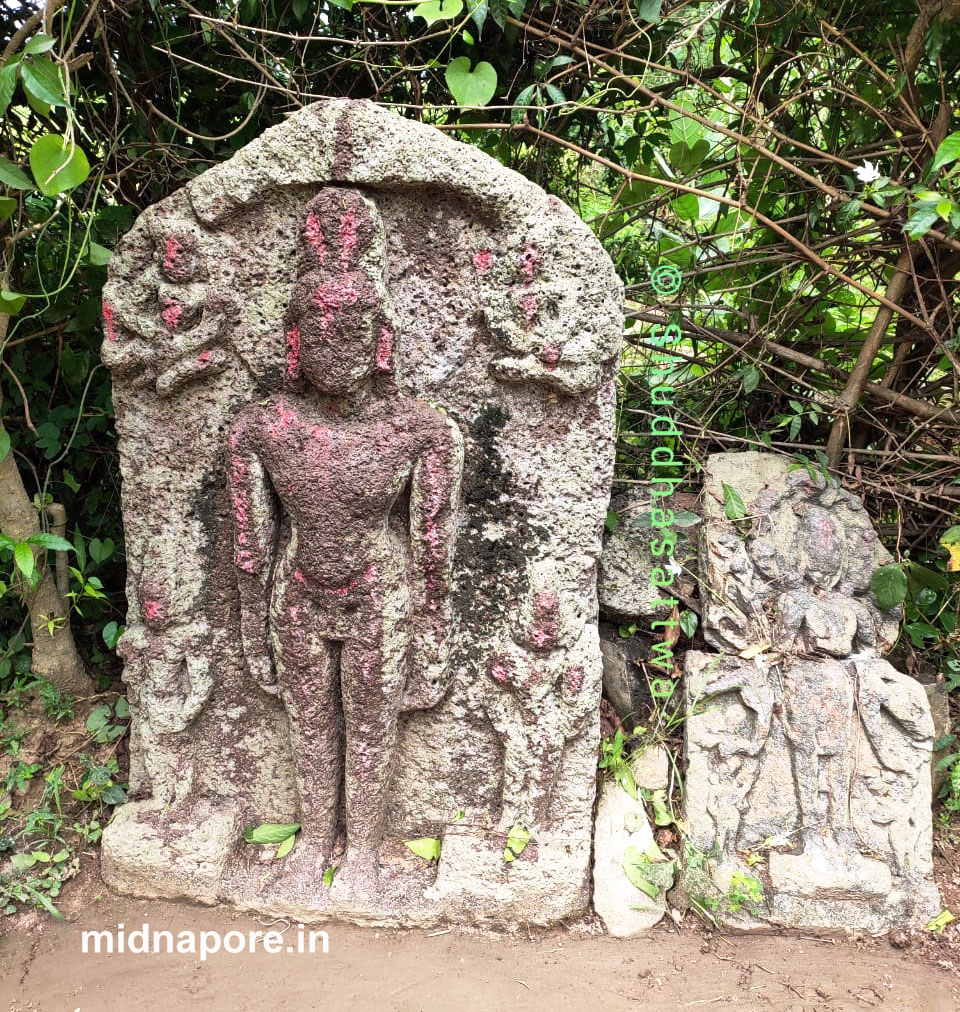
(345,499)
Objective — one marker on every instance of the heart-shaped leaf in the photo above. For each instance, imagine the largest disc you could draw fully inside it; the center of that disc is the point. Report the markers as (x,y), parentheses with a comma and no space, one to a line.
(57,165)
(471,87)
(11,302)
(100,551)
(438,10)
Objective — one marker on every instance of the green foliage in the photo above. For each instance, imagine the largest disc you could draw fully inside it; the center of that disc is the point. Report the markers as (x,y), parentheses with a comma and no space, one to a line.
(733,507)
(51,812)
(889,586)
(57,165)
(517,840)
(101,724)
(745,891)
(471,87)
(615,761)
(271,832)
(650,870)
(426,847)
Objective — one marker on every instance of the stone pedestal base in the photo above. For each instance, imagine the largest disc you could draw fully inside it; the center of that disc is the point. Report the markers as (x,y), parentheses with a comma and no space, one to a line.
(170,853)
(547,883)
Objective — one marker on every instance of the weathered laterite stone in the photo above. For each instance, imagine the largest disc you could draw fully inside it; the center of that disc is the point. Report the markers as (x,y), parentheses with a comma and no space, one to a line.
(807,791)
(363,377)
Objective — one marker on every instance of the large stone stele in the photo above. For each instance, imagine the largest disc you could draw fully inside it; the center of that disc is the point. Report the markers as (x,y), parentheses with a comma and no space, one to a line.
(807,791)
(364,383)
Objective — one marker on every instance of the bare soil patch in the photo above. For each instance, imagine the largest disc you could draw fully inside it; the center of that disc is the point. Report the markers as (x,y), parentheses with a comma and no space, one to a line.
(42,968)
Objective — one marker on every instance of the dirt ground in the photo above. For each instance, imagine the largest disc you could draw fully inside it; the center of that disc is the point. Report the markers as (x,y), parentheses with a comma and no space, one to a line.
(42,969)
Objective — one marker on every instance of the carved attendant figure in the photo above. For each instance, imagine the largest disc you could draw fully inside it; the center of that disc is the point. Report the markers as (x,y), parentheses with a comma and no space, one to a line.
(346,591)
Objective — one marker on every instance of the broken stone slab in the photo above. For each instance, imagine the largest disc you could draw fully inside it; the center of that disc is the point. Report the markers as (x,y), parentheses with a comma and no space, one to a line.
(364,376)
(651,768)
(624,684)
(628,560)
(623,837)
(544,884)
(795,571)
(807,793)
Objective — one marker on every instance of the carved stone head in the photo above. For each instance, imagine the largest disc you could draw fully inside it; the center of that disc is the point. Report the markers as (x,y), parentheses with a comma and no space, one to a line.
(339,329)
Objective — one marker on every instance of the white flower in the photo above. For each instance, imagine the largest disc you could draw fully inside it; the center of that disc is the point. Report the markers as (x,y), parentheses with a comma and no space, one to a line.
(867,173)
(674,567)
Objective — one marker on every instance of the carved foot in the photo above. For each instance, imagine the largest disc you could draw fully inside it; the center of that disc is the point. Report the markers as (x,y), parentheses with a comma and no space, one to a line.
(358,877)
(309,859)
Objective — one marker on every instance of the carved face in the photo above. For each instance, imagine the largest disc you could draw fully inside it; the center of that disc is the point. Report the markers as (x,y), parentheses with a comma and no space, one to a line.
(179,257)
(335,333)
(338,330)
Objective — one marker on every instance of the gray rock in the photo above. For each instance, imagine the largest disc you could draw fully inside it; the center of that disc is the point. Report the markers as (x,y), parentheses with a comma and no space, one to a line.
(651,768)
(623,682)
(939,700)
(821,768)
(627,563)
(364,383)
(621,832)
(796,571)
(180,856)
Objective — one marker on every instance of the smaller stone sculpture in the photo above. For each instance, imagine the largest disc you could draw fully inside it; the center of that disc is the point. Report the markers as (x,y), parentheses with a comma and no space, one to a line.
(808,756)
(528,307)
(541,696)
(800,576)
(190,335)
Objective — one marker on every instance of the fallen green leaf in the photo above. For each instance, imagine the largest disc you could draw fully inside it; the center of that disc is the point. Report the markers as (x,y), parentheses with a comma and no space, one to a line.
(517,840)
(427,847)
(270,832)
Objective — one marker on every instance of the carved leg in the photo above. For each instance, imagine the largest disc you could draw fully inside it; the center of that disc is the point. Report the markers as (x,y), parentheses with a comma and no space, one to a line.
(372,680)
(806,775)
(307,669)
